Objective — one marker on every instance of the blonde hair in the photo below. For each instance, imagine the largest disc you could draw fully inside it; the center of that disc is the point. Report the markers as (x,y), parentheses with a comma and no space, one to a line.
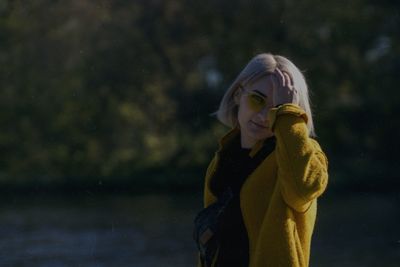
(260,66)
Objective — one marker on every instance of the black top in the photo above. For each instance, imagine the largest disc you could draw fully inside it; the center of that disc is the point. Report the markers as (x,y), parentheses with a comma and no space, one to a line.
(234,167)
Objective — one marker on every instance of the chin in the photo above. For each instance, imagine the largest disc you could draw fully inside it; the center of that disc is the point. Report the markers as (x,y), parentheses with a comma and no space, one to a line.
(262,136)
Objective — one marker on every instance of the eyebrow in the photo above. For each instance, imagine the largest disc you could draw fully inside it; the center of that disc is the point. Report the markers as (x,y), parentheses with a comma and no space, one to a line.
(260,93)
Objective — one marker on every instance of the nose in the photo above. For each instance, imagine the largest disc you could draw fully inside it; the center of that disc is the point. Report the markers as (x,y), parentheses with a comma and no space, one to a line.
(263,114)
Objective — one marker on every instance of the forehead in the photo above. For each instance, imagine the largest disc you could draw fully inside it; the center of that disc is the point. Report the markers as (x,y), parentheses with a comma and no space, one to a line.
(263,85)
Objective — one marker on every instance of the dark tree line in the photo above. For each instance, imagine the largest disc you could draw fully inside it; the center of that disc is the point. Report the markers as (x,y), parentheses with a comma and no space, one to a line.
(121,91)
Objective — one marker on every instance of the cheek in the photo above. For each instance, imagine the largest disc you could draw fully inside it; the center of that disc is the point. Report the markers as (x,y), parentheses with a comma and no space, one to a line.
(240,116)
(244,113)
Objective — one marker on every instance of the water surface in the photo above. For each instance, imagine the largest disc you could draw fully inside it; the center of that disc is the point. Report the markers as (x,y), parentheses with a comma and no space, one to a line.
(156,230)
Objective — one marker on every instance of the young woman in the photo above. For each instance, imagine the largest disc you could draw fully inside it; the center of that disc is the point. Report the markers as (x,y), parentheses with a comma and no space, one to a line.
(262,185)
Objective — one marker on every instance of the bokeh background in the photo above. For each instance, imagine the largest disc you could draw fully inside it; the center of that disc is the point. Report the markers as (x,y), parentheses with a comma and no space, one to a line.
(106,129)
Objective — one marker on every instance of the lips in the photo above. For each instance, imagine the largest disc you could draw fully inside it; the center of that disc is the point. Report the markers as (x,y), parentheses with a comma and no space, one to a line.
(259,125)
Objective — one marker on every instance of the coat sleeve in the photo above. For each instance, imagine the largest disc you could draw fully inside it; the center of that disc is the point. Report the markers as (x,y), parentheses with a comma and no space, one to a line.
(302,166)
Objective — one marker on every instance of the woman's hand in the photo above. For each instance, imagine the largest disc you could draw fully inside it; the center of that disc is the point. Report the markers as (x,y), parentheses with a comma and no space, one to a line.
(285,92)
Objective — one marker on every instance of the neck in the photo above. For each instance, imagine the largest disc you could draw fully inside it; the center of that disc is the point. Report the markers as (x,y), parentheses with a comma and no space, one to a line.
(246,143)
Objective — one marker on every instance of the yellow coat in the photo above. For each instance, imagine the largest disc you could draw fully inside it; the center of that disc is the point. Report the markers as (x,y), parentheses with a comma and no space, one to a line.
(279,199)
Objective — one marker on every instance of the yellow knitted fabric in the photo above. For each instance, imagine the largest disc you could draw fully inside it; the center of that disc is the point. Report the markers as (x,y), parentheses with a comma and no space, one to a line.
(279,199)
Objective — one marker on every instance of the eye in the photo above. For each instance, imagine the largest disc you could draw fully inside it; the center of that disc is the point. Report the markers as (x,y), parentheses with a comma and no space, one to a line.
(257,99)
(256,102)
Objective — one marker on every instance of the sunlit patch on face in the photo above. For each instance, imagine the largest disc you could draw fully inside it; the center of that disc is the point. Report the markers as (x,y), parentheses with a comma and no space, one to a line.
(255,101)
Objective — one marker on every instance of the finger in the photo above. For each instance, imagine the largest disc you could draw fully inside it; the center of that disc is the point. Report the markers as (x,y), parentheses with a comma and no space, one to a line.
(280,77)
(288,80)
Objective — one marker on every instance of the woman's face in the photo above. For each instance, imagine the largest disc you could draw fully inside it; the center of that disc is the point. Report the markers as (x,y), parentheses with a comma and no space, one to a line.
(254,104)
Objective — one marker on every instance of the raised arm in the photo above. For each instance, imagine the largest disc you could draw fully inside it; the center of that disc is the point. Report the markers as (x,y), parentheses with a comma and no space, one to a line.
(302,166)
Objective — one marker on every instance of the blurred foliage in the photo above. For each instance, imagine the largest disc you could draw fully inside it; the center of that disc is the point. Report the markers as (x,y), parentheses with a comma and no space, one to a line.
(113,90)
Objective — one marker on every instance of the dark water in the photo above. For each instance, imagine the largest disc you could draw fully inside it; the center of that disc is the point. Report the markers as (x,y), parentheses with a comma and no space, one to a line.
(155,230)
(357,230)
